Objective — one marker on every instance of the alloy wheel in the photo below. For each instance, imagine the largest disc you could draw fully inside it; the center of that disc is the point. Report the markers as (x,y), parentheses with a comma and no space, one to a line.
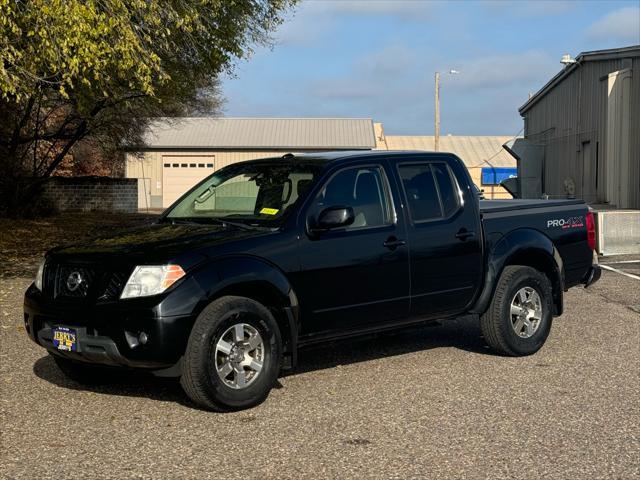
(526,312)
(239,356)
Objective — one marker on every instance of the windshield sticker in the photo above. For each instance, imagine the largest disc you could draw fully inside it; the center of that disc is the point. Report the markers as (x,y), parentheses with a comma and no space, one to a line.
(269,211)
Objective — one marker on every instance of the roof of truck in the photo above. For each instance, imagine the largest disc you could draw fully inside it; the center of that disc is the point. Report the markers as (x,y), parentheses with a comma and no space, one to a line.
(345,155)
(326,158)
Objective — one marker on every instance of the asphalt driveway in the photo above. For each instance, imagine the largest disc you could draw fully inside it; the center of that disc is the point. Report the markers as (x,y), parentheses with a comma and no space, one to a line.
(427,402)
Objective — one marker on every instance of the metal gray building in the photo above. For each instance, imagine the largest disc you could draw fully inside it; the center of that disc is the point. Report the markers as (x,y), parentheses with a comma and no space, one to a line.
(582,131)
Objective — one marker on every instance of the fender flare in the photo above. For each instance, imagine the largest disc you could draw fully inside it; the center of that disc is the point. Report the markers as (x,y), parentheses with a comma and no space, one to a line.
(256,278)
(524,246)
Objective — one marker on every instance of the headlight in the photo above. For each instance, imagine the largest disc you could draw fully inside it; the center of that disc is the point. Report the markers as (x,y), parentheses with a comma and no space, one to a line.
(149,280)
(38,280)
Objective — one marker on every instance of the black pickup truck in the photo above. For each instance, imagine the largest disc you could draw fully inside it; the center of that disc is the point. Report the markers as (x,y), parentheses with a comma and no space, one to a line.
(264,257)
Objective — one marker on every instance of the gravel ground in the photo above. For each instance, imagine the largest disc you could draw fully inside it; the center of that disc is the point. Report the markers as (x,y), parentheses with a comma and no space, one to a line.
(427,402)
(625,263)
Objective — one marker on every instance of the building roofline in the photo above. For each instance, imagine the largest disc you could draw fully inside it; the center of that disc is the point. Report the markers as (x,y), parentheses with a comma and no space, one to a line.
(258,133)
(154,119)
(448,135)
(593,55)
(233,148)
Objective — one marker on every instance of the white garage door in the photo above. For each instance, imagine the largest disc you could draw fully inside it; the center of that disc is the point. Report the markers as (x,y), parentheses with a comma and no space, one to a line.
(181,172)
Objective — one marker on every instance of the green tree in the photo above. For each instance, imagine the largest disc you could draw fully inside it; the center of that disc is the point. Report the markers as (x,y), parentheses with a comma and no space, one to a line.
(74,71)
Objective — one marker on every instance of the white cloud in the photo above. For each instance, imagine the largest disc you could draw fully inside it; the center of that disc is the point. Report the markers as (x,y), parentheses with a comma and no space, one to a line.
(537,8)
(395,86)
(410,9)
(621,25)
(389,61)
(304,26)
(314,19)
(345,89)
(500,70)
(370,76)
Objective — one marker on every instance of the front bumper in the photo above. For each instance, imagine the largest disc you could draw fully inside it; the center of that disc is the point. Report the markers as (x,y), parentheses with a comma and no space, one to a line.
(114,346)
(92,349)
(592,275)
(111,333)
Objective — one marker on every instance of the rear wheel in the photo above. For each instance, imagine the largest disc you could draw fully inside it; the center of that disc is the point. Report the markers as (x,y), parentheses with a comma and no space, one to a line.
(233,355)
(518,320)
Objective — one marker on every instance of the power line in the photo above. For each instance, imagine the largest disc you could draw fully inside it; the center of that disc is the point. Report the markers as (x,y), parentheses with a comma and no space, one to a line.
(501,149)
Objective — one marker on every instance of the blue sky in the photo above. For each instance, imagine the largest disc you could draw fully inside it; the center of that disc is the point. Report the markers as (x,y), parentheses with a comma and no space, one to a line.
(342,58)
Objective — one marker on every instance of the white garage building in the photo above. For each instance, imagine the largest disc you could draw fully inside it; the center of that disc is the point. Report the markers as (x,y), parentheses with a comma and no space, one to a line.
(177,153)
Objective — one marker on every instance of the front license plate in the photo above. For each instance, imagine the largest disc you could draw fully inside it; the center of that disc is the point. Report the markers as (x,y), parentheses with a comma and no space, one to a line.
(65,339)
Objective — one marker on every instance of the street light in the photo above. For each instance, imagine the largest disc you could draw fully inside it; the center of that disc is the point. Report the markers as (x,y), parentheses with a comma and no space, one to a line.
(437,108)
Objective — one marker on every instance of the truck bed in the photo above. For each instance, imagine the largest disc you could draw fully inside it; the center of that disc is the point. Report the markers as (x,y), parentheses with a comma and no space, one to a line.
(499,216)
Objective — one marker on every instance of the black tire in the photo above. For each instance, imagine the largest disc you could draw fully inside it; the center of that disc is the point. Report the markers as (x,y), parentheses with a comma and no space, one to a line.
(85,373)
(496,323)
(200,379)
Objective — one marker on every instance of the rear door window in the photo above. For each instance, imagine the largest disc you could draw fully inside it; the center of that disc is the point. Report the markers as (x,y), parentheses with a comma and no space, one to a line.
(420,191)
(446,187)
(430,190)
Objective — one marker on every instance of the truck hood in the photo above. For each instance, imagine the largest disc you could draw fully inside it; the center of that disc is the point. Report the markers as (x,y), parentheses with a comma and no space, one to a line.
(159,242)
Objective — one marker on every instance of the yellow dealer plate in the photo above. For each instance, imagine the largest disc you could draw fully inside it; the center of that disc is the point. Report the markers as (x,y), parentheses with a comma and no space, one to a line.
(65,339)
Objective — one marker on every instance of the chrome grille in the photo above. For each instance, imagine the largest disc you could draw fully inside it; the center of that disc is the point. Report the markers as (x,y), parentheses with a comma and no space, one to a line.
(115,285)
(74,281)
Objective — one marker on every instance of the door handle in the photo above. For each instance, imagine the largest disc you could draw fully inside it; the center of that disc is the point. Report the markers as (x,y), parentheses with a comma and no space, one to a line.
(392,243)
(464,234)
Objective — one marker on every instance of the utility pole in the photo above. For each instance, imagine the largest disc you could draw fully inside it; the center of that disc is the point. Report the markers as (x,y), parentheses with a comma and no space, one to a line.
(437,114)
(436,143)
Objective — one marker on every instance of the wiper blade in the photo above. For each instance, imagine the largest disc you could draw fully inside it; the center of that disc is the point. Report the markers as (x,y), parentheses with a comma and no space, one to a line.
(241,225)
(218,220)
(178,221)
(224,222)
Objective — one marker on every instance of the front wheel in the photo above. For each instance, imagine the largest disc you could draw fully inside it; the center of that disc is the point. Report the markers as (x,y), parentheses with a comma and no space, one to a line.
(518,320)
(233,355)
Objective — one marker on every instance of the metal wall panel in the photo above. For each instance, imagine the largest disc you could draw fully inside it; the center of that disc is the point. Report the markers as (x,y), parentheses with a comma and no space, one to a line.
(572,116)
(634,140)
(617,137)
(618,232)
(146,165)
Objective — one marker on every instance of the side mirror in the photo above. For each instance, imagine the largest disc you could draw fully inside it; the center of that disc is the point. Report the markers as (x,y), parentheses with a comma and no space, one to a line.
(333,217)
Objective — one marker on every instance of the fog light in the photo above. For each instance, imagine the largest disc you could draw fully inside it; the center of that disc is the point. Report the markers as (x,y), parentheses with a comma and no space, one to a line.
(134,340)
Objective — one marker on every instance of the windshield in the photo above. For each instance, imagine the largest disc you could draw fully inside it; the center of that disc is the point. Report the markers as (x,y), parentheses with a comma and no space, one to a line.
(251,193)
